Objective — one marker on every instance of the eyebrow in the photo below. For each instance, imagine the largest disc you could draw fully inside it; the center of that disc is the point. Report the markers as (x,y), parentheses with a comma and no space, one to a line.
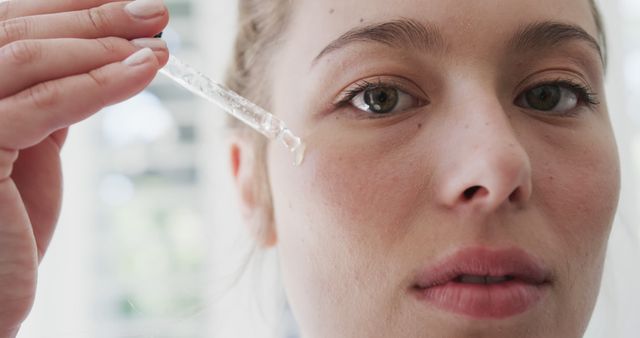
(397,33)
(403,33)
(549,34)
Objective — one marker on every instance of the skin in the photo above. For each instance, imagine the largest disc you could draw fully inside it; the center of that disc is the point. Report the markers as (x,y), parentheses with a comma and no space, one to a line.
(41,95)
(377,201)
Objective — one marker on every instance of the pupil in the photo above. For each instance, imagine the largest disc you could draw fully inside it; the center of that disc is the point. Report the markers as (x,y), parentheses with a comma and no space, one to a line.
(381,100)
(544,98)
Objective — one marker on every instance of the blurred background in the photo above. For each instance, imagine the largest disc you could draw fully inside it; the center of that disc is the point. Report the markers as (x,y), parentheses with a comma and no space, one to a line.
(150,243)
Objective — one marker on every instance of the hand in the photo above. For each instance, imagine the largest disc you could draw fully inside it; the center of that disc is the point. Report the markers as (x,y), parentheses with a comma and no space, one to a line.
(60,62)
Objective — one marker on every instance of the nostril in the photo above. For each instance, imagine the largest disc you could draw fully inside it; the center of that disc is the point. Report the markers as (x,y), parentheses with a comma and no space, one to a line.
(516,195)
(471,192)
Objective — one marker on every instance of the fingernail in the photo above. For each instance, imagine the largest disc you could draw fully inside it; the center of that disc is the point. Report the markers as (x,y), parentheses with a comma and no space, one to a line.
(154,44)
(145,9)
(140,57)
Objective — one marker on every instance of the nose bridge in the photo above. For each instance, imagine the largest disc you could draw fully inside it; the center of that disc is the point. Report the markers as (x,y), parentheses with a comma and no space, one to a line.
(488,166)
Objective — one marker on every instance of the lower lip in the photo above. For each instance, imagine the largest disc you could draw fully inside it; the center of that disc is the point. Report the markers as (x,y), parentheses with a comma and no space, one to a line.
(484,301)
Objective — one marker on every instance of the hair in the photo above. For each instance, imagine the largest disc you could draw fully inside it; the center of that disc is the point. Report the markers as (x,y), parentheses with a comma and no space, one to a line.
(602,36)
(260,25)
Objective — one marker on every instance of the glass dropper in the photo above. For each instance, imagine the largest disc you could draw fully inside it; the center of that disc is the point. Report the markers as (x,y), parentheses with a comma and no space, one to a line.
(234,104)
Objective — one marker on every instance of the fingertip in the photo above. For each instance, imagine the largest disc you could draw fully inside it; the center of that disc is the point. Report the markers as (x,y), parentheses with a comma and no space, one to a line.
(158,46)
(142,57)
(162,56)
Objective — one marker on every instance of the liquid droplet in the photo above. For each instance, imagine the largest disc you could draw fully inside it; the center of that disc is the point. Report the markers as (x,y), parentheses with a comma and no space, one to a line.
(294,144)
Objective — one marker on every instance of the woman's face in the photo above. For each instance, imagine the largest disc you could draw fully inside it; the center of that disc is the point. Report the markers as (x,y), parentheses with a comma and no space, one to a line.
(447,141)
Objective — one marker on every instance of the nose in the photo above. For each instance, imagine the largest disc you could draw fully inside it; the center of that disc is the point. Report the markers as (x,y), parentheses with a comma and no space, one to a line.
(487,167)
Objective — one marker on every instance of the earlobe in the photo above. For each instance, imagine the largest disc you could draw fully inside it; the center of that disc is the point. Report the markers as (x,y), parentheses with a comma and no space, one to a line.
(235,159)
(254,192)
(243,183)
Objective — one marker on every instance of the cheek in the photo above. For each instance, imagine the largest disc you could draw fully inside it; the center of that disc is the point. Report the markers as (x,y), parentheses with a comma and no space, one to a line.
(337,216)
(576,188)
(580,187)
(365,190)
(350,201)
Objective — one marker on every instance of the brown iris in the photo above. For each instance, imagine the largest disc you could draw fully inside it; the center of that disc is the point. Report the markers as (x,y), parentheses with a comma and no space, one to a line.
(544,98)
(381,100)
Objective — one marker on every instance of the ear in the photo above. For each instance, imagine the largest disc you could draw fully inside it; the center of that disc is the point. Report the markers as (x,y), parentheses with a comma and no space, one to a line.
(250,179)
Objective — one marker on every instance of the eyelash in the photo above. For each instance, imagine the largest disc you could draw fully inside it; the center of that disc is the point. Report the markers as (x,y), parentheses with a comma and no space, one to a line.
(361,86)
(585,94)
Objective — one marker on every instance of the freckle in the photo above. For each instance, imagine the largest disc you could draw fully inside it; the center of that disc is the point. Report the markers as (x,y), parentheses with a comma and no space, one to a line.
(331,11)
(361,20)
(419,125)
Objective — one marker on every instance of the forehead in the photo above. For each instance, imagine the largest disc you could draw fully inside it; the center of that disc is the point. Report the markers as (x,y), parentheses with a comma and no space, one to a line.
(463,23)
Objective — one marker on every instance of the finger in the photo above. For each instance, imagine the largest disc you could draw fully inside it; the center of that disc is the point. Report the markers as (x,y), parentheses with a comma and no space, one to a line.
(19,258)
(33,114)
(129,20)
(38,167)
(60,136)
(28,62)
(17,8)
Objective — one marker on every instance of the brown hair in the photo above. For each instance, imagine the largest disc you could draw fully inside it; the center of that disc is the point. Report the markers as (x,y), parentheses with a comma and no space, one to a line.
(260,24)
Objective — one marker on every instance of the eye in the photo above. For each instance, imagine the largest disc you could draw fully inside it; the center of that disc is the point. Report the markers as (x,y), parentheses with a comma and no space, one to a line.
(560,98)
(383,98)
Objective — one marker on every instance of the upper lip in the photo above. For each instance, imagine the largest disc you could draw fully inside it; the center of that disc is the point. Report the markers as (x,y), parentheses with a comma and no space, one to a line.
(479,261)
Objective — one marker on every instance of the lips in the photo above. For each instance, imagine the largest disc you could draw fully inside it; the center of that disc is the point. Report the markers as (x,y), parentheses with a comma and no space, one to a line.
(484,283)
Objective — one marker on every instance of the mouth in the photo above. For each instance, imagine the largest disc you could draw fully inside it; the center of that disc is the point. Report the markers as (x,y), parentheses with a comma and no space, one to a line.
(473,279)
(483,283)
